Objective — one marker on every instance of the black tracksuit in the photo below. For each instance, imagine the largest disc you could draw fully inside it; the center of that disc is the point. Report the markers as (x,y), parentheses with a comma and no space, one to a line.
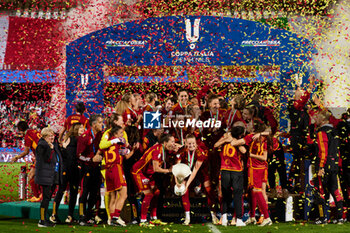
(327,157)
(70,176)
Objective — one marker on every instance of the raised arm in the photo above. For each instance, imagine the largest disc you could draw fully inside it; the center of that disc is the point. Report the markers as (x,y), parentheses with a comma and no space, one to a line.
(239,142)
(224,139)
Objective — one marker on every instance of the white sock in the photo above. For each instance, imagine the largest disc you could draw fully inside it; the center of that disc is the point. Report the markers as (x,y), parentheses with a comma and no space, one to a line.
(143,220)
(187,215)
(154,218)
(224,217)
(213,215)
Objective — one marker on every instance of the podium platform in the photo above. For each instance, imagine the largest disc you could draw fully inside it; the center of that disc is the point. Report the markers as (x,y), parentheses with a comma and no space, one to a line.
(31,210)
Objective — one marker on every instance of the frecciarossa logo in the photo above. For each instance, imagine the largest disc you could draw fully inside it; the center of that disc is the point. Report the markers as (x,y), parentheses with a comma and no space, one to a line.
(260,43)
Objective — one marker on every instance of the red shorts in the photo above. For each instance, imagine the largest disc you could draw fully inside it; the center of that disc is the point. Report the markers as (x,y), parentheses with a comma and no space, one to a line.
(115,178)
(143,183)
(256,177)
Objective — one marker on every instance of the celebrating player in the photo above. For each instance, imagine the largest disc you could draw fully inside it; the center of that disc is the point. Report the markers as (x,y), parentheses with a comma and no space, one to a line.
(195,158)
(114,175)
(232,174)
(152,161)
(31,139)
(257,170)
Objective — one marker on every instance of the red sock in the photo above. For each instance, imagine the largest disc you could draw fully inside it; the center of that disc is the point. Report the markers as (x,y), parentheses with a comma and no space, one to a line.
(112,214)
(35,188)
(211,198)
(262,204)
(117,213)
(345,212)
(154,203)
(253,200)
(145,205)
(186,201)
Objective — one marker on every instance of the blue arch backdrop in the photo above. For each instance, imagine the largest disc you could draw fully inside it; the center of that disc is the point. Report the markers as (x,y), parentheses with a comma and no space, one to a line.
(182,41)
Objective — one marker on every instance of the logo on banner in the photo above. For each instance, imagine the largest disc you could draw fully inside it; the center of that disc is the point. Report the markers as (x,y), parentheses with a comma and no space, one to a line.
(126,43)
(84,80)
(151,120)
(192,38)
(260,43)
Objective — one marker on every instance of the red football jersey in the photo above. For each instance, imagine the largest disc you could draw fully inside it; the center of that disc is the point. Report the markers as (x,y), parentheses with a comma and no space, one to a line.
(87,146)
(112,156)
(275,145)
(191,157)
(178,109)
(76,118)
(144,165)
(256,147)
(31,139)
(232,116)
(149,108)
(231,158)
(130,113)
(211,137)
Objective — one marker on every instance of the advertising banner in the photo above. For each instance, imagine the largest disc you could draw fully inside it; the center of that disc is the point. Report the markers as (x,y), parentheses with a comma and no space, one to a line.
(178,41)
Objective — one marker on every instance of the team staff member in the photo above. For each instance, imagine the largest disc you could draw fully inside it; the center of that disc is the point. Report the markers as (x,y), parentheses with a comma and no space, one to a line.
(232,174)
(151,162)
(48,171)
(196,159)
(31,139)
(78,117)
(70,172)
(299,128)
(257,170)
(87,147)
(344,134)
(327,168)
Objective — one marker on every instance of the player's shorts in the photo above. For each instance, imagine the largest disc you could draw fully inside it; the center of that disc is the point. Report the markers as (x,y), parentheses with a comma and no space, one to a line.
(142,182)
(115,178)
(256,177)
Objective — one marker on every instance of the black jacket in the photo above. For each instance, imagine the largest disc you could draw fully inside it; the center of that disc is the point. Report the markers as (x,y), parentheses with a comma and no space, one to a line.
(46,159)
(344,135)
(69,155)
(299,121)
